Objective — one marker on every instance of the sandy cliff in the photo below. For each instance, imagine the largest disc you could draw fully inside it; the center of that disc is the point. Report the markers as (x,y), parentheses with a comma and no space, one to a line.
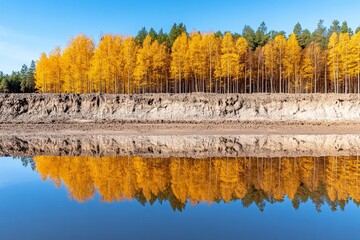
(35,108)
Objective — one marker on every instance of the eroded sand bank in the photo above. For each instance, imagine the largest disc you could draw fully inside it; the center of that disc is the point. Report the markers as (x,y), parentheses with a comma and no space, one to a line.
(200,107)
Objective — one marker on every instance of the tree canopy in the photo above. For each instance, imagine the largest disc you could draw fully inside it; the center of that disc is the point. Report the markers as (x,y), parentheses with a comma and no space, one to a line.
(325,60)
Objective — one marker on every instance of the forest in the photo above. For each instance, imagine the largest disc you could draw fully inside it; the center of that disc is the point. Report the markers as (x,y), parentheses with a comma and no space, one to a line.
(332,181)
(326,60)
(22,81)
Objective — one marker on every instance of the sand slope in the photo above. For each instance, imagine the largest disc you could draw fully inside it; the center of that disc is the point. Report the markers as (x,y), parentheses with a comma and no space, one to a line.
(38,108)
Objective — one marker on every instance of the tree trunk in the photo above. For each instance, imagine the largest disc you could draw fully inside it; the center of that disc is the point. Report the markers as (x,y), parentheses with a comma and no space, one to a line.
(210,73)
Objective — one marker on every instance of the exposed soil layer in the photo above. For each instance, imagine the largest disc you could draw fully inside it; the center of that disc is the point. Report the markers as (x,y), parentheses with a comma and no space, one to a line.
(189,108)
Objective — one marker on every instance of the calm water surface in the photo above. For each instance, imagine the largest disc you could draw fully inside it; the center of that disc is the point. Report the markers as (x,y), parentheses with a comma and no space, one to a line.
(53,197)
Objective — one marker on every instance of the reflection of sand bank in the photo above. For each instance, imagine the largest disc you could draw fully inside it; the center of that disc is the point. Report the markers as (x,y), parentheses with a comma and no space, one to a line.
(182,146)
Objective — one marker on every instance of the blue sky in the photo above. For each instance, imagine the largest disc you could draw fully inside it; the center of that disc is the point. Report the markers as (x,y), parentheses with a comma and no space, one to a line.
(28,28)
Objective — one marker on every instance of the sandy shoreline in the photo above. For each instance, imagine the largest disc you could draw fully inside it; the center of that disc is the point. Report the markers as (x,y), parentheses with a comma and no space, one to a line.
(200,128)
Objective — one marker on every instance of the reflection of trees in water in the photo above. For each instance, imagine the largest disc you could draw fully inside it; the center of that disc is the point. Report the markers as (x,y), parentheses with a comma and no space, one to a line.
(26,161)
(253,180)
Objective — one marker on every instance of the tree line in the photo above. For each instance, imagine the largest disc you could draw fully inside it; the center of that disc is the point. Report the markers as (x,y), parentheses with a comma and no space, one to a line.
(22,81)
(332,181)
(325,60)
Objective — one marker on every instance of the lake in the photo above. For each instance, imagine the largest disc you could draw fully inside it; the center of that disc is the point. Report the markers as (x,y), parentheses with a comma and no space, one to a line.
(175,197)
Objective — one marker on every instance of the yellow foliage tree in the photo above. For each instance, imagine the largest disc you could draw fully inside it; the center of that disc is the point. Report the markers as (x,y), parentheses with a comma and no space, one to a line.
(106,65)
(41,74)
(355,59)
(77,57)
(209,46)
(197,59)
(160,62)
(280,51)
(242,50)
(144,66)
(229,60)
(310,66)
(269,55)
(130,53)
(344,60)
(56,69)
(333,61)
(292,61)
(179,61)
